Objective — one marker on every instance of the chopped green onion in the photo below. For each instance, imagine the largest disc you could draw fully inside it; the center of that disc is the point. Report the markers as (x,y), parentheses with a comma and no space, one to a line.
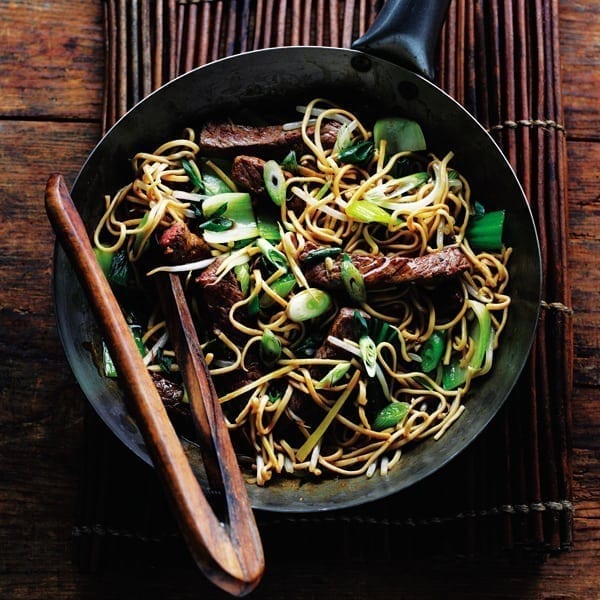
(242,274)
(239,210)
(290,162)
(270,347)
(277,258)
(485,232)
(455,374)
(353,280)
(216,224)
(282,287)
(432,350)
(368,353)
(400,134)
(390,415)
(192,171)
(367,212)
(253,306)
(308,304)
(320,430)
(358,154)
(320,254)
(104,260)
(333,376)
(274,182)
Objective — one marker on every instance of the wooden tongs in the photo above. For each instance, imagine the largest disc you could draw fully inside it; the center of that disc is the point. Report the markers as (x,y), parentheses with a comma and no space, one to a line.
(230,554)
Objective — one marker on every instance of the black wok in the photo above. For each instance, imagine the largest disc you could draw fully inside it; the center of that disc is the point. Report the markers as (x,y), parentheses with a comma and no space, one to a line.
(287,76)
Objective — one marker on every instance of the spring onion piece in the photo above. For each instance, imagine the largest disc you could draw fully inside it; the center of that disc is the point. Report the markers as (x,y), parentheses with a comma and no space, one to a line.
(290,162)
(270,347)
(353,280)
(432,350)
(239,210)
(321,254)
(242,274)
(104,260)
(333,376)
(455,374)
(192,171)
(344,136)
(485,232)
(282,287)
(308,304)
(401,135)
(268,227)
(368,353)
(390,415)
(319,432)
(367,212)
(358,154)
(274,256)
(274,182)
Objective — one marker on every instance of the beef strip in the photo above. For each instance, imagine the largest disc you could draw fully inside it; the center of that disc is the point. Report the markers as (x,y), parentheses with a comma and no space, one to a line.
(384,271)
(228,139)
(180,245)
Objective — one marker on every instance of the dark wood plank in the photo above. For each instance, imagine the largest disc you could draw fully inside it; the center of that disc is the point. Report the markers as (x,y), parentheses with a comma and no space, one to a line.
(51,59)
(580,52)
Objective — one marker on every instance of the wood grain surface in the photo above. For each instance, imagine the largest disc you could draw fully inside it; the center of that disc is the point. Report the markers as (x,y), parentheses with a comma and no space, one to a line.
(51,70)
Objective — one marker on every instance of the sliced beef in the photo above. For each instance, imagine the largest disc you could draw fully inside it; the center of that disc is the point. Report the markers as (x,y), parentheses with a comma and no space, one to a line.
(229,139)
(247,171)
(180,245)
(384,271)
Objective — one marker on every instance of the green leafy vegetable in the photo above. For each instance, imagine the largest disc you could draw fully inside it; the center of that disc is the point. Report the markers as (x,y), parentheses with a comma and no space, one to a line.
(290,162)
(432,350)
(485,232)
(400,134)
(358,154)
(193,172)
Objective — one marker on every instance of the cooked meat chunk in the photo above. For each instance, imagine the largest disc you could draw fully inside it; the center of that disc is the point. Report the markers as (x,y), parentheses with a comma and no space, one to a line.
(228,139)
(247,171)
(383,271)
(180,245)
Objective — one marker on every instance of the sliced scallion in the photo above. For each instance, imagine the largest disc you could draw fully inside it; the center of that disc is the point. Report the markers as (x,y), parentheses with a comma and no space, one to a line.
(274,256)
(334,375)
(270,347)
(274,179)
(390,415)
(308,304)
(353,280)
(368,353)
(367,212)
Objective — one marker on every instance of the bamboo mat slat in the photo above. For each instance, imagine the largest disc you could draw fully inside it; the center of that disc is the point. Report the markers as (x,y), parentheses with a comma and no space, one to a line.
(511,490)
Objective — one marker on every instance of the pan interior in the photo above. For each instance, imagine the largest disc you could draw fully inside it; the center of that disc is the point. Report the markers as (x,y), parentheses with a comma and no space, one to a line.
(281,77)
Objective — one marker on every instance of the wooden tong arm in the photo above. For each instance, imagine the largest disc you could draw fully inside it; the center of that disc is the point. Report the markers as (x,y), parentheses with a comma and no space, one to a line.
(233,559)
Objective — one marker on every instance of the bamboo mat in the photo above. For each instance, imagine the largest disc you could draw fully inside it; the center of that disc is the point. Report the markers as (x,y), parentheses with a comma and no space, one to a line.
(511,490)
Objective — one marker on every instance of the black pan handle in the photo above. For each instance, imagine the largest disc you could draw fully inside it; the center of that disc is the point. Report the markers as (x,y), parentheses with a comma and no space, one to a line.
(407,33)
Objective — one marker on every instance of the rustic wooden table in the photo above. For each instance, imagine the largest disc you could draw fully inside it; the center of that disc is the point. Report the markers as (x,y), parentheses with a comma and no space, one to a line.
(51,72)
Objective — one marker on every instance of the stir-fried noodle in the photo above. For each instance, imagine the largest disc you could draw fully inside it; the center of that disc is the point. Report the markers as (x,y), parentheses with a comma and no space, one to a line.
(322,379)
